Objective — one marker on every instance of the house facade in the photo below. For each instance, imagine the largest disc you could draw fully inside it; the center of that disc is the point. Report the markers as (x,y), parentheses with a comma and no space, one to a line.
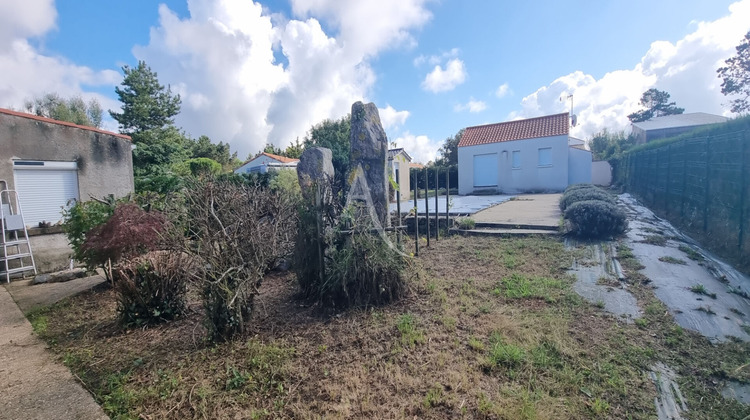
(265,162)
(672,125)
(532,155)
(49,163)
(399,163)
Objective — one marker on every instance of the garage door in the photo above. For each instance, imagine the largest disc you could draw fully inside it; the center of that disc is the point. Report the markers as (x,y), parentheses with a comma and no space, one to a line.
(44,188)
(485,170)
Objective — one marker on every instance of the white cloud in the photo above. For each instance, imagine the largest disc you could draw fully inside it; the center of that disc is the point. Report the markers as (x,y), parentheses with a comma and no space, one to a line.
(503,91)
(441,80)
(471,106)
(392,118)
(421,148)
(221,59)
(685,69)
(436,59)
(26,73)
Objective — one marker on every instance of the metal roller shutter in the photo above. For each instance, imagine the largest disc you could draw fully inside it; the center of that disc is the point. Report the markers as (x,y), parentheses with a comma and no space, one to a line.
(44,192)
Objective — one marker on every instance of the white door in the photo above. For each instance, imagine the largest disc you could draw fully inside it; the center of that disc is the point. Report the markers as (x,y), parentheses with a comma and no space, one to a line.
(44,191)
(485,170)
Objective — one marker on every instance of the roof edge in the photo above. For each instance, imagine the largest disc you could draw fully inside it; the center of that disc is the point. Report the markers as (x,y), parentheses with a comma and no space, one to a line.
(524,119)
(65,123)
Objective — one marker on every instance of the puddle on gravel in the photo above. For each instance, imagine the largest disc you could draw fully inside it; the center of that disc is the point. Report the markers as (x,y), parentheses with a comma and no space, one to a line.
(737,391)
(599,278)
(727,315)
(669,402)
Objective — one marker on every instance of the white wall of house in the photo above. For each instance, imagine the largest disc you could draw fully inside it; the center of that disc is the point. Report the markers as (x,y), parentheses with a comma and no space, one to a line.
(601,173)
(261,164)
(579,166)
(401,166)
(495,161)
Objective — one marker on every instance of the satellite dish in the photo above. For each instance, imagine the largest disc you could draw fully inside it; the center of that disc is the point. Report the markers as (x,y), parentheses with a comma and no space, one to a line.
(573,120)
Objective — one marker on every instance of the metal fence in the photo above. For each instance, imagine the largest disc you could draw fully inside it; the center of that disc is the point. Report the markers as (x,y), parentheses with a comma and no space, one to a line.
(699,183)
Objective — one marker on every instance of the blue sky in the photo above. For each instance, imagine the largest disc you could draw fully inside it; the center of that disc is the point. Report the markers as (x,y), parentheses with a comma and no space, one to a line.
(253,72)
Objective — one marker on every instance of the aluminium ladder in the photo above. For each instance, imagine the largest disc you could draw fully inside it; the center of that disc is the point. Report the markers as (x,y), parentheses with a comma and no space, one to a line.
(16,248)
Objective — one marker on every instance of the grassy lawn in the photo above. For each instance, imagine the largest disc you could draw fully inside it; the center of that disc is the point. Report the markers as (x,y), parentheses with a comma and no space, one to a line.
(491,330)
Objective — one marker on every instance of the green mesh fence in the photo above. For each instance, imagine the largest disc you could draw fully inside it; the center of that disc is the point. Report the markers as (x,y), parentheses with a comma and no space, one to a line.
(700,183)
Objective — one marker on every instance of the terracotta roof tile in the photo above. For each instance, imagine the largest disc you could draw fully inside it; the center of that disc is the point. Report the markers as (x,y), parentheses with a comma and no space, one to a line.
(547,126)
(50,120)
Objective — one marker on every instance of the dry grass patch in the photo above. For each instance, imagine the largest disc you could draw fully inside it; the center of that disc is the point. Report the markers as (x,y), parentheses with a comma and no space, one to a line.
(453,348)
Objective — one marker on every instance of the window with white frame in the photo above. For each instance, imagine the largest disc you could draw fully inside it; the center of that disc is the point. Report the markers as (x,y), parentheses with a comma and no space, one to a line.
(516,156)
(545,156)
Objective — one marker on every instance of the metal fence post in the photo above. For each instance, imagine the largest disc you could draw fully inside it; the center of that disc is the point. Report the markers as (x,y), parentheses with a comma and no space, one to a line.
(447,196)
(416,216)
(707,185)
(437,213)
(427,203)
(684,179)
(743,187)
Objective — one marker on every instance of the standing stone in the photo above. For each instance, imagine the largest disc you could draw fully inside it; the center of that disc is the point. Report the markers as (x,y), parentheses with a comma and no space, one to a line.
(315,168)
(370,150)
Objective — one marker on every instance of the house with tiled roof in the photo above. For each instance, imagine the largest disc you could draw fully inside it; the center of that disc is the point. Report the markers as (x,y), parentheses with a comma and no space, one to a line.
(265,162)
(531,155)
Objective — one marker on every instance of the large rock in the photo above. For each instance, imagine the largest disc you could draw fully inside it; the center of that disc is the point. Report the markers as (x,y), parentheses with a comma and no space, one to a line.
(60,276)
(369,152)
(315,168)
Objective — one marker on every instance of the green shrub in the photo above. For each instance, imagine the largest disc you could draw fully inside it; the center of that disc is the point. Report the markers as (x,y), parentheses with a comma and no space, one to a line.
(596,219)
(80,218)
(584,194)
(151,289)
(466,223)
(580,187)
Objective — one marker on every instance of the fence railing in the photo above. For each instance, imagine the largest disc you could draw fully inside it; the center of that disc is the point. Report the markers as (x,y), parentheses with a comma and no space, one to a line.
(700,183)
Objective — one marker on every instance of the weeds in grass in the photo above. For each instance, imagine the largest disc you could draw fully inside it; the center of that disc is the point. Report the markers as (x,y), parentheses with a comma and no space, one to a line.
(641,322)
(599,304)
(700,289)
(38,320)
(435,396)
(599,407)
(475,344)
(504,354)
(657,240)
(410,334)
(519,286)
(466,223)
(707,309)
(672,260)
(737,311)
(691,253)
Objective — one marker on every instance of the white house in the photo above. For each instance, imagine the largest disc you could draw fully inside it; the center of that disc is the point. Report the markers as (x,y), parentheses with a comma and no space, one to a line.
(399,163)
(532,155)
(672,125)
(265,162)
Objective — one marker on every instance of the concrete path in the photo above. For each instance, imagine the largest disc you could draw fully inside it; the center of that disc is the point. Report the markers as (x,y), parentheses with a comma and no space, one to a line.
(29,297)
(32,384)
(533,210)
(460,205)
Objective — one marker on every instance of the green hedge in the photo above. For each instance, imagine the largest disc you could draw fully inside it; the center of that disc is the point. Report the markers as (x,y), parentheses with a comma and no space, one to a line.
(584,194)
(596,219)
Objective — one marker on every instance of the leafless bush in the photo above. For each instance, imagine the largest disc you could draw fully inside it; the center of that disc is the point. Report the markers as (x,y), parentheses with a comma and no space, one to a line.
(237,232)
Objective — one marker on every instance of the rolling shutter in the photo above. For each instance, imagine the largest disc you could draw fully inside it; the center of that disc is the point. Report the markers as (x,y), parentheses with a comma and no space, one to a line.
(485,170)
(44,188)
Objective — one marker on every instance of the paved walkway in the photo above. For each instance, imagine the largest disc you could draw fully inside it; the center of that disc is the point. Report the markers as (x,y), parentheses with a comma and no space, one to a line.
(460,204)
(32,384)
(533,210)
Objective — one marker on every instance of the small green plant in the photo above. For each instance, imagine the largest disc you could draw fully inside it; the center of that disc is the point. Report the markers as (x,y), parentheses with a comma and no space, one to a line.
(701,290)
(466,223)
(641,323)
(737,311)
(707,309)
(745,328)
(600,304)
(504,354)
(434,397)
(672,260)
(235,378)
(691,253)
(657,240)
(410,335)
(599,407)
(475,344)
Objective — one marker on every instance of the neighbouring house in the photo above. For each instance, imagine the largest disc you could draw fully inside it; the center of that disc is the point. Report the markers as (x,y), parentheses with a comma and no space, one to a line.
(50,163)
(532,155)
(672,125)
(399,163)
(265,162)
